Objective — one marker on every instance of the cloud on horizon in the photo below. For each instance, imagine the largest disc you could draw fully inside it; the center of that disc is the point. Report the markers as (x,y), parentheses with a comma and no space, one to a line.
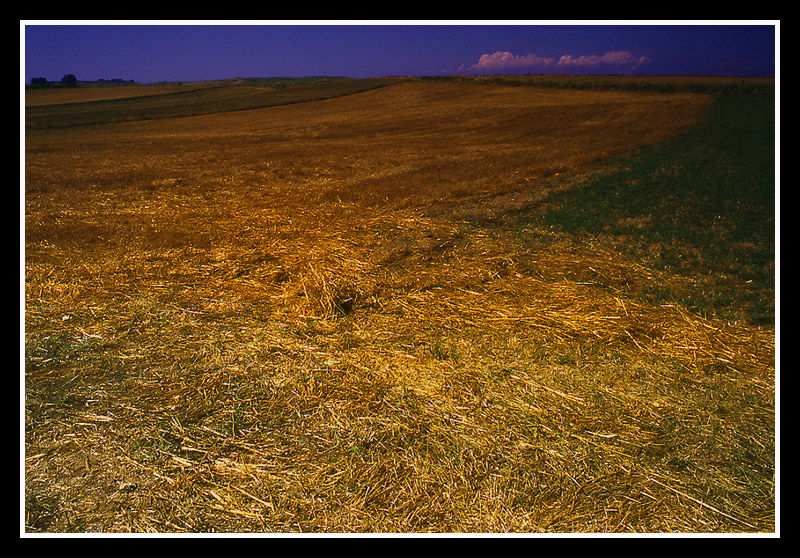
(501,61)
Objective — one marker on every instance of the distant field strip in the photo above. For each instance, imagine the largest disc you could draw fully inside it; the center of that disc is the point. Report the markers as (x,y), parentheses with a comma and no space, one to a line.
(176,101)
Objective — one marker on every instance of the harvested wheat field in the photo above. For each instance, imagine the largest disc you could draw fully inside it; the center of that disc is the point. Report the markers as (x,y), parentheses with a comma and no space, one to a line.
(342,315)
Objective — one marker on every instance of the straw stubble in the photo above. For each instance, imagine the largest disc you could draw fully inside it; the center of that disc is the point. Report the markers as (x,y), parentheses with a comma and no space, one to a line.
(270,343)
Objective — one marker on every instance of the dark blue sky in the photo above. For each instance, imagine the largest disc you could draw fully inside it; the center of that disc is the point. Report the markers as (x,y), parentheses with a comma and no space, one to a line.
(152,52)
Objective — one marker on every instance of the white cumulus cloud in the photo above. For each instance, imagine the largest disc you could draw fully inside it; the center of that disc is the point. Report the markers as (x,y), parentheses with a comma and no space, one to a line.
(617,58)
(500,61)
(504,59)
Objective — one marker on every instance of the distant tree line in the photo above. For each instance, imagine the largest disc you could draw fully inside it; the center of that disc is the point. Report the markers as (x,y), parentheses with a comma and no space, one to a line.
(69,80)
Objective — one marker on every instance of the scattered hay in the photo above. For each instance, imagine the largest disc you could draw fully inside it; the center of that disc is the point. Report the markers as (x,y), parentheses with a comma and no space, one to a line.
(412,379)
(266,363)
